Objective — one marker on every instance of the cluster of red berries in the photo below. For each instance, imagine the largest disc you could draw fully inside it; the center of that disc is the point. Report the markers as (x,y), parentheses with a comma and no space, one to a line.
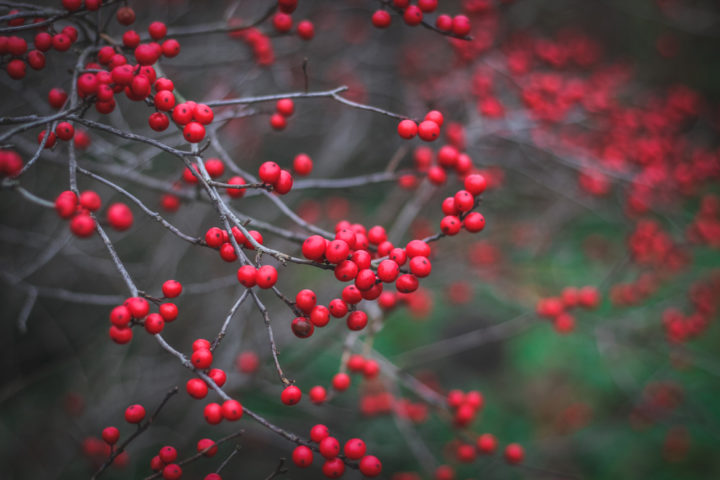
(17,47)
(165,460)
(329,448)
(414,14)
(63,131)
(258,41)
(704,229)
(136,311)
(278,178)
(465,406)
(11,163)
(215,169)
(680,327)
(485,444)
(558,308)
(284,109)
(341,381)
(283,23)
(218,238)
(428,130)
(77,209)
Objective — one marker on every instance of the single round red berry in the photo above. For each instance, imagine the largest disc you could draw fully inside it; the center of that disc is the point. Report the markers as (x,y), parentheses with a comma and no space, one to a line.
(291,395)
(407,129)
(119,216)
(196,388)
(154,323)
(354,449)
(370,466)
(201,358)
(134,413)
(329,447)
(111,435)
(333,468)
(213,413)
(381,19)
(318,394)
(302,456)
(171,288)
(266,276)
(232,410)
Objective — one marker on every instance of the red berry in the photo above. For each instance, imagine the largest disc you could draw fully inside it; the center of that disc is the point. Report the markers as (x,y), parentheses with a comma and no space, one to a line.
(119,216)
(514,453)
(302,456)
(407,129)
(313,248)
(413,15)
(111,435)
(486,443)
(194,132)
(168,311)
(266,276)
(201,358)
(306,30)
(134,413)
(291,395)
(319,432)
(232,410)
(406,283)
(66,204)
(318,394)
(236,192)
(354,449)
(381,19)
(82,225)
(388,270)
(284,183)
(138,307)
(278,122)
(302,164)
(370,466)
(196,388)
(203,114)
(416,248)
(282,22)
(208,446)
(474,222)
(475,184)
(428,130)
(213,413)
(329,447)
(157,30)
(167,454)
(460,25)
(338,308)
(357,320)
(90,200)
(333,468)
(214,167)
(218,376)
(269,172)
(172,472)
(337,251)
(247,276)
(320,315)
(171,288)
(154,323)
(306,300)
